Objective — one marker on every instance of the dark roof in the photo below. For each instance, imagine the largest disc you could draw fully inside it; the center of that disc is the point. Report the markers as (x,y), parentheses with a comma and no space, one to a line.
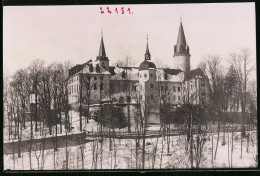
(147,52)
(193,73)
(102,51)
(181,37)
(112,70)
(145,65)
(172,71)
(77,68)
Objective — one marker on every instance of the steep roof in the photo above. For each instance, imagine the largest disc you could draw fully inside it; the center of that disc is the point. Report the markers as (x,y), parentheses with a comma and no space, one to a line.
(181,41)
(193,73)
(147,52)
(102,51)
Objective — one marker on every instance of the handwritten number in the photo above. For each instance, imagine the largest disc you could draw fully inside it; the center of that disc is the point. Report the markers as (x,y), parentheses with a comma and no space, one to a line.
(108,10)
(116,10)
(101,10)
(122,9)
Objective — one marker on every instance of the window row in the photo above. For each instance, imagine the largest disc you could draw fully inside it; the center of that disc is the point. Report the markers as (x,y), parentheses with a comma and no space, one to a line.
(174,88)
(174,98)
(75,88)
(145,75)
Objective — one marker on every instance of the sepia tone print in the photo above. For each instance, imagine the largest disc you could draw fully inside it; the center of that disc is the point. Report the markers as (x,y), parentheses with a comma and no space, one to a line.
(114,104)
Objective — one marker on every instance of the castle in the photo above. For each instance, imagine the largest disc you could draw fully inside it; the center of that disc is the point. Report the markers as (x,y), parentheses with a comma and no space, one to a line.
(96,81)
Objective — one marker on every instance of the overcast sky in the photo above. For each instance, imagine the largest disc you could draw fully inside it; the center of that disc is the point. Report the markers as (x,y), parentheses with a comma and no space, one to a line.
(60,33)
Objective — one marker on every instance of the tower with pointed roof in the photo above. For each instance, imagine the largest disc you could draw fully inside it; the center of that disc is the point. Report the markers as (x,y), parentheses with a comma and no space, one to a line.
(147,82)
(102,58)
(181,52)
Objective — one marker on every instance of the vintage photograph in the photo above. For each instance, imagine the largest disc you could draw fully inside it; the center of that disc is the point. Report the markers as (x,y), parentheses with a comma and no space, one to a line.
(147,86)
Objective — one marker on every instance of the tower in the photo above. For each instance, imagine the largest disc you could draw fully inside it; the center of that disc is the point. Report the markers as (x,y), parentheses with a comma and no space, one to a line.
(182,52)
(147,80)
(102,58)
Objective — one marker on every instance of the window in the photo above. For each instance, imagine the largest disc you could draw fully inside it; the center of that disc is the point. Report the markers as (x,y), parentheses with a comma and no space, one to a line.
(88,78)
(174,89)
(174,98)
(165,76)
(140,76)
(123,74)
(97,68)
(140,87)
(103,63)
(95,78)
(88,85)
(151,96)
(203,84)
(101,86)
(95,86)
(166,87)
(91,68)
(162,88)
(151,75)
(179,98)
(77,87)
(179,89)
(145,75)
(162,97)
(151,86)
(101,78)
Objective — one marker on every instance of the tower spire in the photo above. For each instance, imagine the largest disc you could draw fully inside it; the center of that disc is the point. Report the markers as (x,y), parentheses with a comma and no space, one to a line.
(147,54)
(102,52)
(182,51)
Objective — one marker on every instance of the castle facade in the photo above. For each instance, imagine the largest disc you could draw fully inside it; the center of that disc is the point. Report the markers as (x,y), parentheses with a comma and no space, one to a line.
(96,82)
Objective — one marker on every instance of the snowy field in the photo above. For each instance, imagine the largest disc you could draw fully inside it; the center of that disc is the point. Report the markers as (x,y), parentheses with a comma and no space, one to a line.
(122,154)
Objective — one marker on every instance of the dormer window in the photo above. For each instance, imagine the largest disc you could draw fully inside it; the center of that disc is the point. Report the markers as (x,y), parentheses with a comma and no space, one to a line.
(91,68)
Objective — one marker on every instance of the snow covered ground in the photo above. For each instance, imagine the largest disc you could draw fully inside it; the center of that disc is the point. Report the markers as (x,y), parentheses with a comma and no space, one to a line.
(123,155)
